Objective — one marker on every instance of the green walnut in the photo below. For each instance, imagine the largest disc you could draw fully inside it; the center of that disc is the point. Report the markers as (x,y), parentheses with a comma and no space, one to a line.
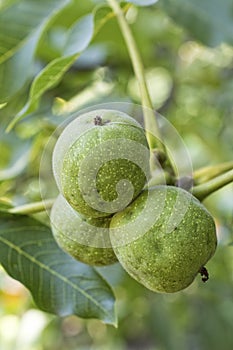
(107,166)
(169,236)
(86,240)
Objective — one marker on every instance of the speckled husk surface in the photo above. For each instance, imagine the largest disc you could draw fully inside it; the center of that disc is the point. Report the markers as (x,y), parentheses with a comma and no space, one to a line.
(181,240)
(88,255)
(79,236)
(109,141)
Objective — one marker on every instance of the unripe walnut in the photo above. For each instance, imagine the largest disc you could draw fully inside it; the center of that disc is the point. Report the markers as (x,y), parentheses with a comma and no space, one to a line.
(107,166)
(168,243)
(85,239)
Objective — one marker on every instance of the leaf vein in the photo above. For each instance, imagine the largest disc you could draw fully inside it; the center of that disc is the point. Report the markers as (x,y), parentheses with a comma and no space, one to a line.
(52,272)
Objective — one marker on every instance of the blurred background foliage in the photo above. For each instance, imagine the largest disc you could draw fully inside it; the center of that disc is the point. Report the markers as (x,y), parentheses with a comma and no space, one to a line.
(191,84)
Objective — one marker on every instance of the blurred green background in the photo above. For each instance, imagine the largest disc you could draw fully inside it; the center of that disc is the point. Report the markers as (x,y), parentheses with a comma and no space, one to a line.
(191,85)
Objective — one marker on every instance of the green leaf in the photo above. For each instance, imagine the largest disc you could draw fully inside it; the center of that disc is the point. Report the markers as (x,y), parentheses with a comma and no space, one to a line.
(78,39)
(21,20)
(59,284)
(142,2)
(80,35)
(210,21)
(102,13)
(17,69)
(45,80)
